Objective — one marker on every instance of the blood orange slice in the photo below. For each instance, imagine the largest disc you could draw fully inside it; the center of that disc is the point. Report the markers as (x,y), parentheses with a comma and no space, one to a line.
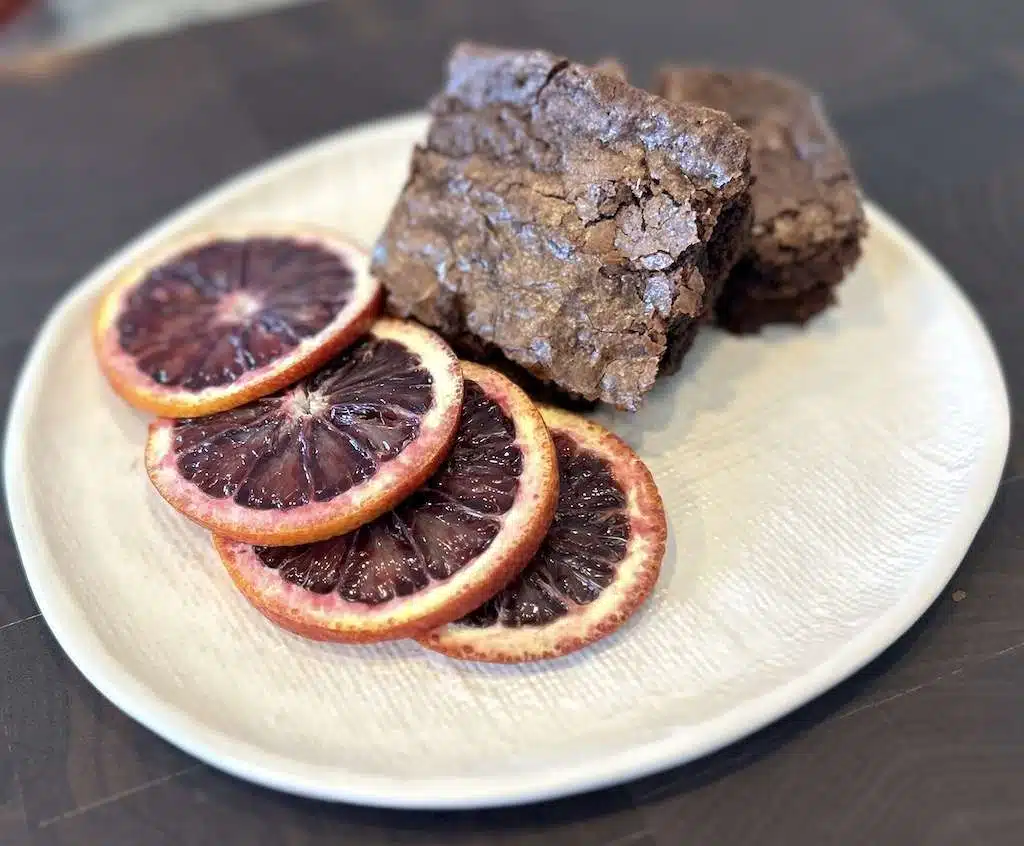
(324,456)
(439,554)
(598,563)
(216,320)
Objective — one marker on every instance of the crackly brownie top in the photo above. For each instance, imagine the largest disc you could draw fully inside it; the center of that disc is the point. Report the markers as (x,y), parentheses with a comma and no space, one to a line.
(534,108)
(804,186)
(561,215)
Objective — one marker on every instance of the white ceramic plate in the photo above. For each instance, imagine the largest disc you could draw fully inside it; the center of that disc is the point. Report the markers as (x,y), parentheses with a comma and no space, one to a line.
(822,487)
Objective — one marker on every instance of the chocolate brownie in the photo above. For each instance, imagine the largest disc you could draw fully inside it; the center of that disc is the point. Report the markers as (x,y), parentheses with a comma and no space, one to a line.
(808,217)
(570,222)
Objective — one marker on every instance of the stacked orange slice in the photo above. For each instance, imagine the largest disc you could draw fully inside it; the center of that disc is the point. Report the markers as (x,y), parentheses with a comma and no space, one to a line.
(360,482)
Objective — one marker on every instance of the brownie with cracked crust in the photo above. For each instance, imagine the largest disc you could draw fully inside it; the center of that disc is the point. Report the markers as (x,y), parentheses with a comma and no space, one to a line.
(808,215)
(566,221)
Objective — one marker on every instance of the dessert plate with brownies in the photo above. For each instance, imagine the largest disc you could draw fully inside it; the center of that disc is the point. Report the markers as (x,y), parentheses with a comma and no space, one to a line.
(562,434)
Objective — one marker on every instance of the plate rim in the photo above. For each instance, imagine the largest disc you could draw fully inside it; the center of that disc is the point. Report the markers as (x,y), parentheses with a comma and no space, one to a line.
(85,649)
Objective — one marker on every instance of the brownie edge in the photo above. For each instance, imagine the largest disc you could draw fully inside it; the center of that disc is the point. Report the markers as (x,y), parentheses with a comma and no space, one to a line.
(566,219)
(808,215)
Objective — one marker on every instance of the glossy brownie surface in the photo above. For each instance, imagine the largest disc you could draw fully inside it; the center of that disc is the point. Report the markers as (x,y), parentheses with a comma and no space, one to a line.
(567,220)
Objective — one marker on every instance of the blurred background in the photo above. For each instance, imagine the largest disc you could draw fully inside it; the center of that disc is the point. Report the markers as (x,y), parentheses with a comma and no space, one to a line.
(47,24)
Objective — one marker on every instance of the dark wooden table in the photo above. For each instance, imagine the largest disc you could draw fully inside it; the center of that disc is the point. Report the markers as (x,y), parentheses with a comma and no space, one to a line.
(926,746)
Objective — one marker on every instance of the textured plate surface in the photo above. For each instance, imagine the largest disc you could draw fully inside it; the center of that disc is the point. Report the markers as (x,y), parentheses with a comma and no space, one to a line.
(821,488)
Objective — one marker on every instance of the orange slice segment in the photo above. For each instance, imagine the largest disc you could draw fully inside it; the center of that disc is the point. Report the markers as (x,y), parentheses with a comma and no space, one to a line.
(323,457)
(439,554)
(215,320)
(599,561)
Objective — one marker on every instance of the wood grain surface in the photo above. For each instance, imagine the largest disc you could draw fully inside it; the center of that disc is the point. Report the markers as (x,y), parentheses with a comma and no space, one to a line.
(926,746)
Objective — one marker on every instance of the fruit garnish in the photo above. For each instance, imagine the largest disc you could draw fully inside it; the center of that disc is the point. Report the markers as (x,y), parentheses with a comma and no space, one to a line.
(597,564)
(324,456)
(440,553)
(226,317)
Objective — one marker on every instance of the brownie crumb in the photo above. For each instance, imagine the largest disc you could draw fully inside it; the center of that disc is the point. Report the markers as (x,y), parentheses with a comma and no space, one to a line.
(613,67)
